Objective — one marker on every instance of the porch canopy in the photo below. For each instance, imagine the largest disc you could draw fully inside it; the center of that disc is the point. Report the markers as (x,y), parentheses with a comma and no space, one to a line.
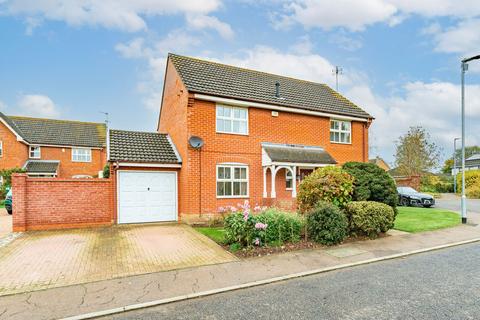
(291,157)
(48,168)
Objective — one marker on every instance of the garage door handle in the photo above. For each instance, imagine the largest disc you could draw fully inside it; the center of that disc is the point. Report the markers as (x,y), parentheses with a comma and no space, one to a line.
(148,189)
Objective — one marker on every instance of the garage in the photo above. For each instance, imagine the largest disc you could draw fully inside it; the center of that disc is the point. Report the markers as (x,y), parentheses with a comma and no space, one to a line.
(147,196)
(145,167)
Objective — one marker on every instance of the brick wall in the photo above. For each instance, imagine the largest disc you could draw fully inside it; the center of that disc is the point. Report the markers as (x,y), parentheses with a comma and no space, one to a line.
(411,181)
(53,203)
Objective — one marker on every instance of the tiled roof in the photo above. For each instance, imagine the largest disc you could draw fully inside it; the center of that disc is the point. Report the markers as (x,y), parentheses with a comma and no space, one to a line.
(297,154)
(201,76)
(135,146)
(41,166)
(473,161)
(59,132)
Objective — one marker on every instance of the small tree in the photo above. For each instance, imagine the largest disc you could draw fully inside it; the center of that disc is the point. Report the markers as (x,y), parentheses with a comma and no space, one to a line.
(416,153)
(7,179)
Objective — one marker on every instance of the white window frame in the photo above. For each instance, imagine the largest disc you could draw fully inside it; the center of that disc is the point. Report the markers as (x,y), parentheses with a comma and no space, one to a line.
(340,131)
(232,179)
(30,150)
(1,148)
(232,119)
(82,160)
(287,178)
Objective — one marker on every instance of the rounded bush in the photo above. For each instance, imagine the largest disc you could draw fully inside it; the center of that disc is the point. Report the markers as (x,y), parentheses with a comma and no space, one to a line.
(327,224)
(472,179)
(369,218)
(372,183)
(330,184)
(473,192)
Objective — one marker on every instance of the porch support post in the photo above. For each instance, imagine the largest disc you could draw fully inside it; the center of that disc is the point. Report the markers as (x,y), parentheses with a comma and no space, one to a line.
(273,173)
(265,194)
(294,182)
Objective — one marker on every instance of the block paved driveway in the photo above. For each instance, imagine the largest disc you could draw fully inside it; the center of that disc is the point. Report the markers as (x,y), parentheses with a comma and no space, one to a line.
(47,259)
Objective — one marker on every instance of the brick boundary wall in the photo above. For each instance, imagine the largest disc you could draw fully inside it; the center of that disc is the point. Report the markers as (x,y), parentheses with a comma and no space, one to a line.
(52,203)
(410,181)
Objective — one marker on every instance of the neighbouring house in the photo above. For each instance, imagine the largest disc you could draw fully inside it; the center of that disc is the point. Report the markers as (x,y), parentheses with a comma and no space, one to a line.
(52,148)
(229,134)
(380,162)
(471,163)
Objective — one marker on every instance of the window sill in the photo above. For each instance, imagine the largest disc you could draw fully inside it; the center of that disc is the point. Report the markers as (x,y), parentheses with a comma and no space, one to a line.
(233,197)
(81,161)
(232,133)
(347,143)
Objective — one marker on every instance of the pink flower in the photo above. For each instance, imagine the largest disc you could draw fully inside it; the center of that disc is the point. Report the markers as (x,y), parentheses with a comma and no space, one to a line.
(261,226)
(222,209)
(233,209)
(245,215)
(257,208)
(256,242)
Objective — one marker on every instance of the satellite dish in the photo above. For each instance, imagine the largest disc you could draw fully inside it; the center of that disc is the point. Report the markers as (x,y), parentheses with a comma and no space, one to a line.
(195,142)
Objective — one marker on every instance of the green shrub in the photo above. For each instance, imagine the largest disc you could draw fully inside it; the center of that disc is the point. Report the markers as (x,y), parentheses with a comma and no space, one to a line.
(436,183)
(281,226)
(330,184)
(327,224)
(7,180)
(472,178)
(269,227)
(106,171)
(369,218)
(372,183)
(473,192)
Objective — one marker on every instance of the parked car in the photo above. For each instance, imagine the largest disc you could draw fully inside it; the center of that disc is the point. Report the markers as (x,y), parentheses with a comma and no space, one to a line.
(410,197)
(8,202)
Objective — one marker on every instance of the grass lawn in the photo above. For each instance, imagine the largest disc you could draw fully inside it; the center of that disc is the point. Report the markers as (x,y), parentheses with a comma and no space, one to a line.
(216,234)
(412,219)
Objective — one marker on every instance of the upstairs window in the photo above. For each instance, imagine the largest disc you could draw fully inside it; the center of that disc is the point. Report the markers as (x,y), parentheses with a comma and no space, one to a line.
(232,120)
(232,181)
(1,148)
(340,131)
(34,152)
(81,155)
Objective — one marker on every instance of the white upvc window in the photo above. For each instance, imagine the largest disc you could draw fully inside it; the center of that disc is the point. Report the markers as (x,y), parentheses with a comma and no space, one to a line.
(232,181)
(34,152)
(1,148)
(340,131)
(232,120)
(81,155)
(288,179)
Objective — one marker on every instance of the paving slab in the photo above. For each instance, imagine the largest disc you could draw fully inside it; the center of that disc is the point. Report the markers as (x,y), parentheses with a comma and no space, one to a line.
(48,259)
(101,295)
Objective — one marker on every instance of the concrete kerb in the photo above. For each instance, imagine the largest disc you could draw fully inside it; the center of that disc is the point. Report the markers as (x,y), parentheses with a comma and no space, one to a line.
(160,302)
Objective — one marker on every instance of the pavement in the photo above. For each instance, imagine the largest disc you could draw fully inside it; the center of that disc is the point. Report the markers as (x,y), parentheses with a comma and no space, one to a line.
(47,259)
(135,291)
(436,285)
(5,223)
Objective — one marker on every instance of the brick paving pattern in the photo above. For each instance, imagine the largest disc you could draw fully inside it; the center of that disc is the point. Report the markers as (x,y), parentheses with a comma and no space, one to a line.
(47,259)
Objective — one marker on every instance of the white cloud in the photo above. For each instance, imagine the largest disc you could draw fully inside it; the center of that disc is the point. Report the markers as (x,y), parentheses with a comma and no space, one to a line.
(435,106)
(462,38)
(201,22)
(351,14)
(37,105)
(124,15)
(357,15)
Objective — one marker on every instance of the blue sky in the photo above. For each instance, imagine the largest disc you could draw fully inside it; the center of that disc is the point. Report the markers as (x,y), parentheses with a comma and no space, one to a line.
(73,59)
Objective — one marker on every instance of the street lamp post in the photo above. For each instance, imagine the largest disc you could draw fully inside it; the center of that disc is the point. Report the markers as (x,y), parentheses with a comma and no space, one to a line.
(455,164)
(464,201)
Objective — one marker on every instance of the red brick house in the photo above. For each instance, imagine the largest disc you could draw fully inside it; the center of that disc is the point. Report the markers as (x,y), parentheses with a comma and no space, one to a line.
(52,148)
(228,134)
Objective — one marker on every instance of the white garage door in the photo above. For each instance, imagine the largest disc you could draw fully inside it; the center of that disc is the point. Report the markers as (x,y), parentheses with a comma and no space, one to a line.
(147,196)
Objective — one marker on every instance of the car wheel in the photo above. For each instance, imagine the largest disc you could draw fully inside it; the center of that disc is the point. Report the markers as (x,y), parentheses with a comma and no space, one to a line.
(9,211)
(404,202)
(427,205)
